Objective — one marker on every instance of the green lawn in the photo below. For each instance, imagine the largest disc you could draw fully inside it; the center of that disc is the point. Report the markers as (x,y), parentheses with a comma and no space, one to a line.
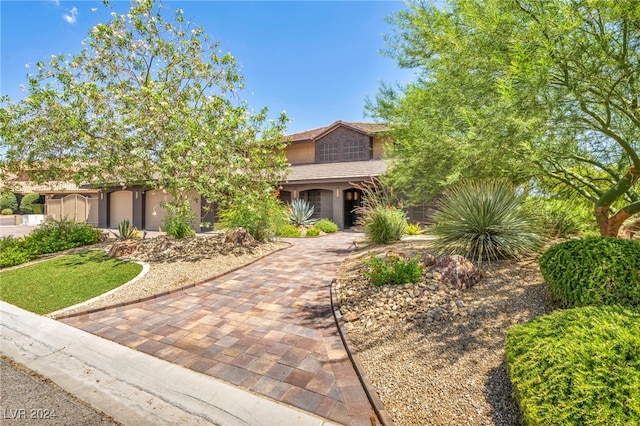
(64,281)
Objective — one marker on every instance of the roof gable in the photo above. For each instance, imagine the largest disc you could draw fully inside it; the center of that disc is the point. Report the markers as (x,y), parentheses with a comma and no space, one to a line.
(313,135)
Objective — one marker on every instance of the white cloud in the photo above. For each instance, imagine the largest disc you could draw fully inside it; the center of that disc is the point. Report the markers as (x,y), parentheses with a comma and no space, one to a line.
(72,16)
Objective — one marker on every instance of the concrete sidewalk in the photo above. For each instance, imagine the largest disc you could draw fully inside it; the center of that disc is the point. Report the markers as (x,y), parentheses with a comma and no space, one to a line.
(133,387)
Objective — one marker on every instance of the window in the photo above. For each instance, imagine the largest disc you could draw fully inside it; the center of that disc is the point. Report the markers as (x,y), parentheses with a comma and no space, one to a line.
(354,150)
(328,151)
(314,198)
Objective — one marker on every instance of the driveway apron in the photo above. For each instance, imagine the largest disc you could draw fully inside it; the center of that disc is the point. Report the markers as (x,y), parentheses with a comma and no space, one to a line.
(267,328)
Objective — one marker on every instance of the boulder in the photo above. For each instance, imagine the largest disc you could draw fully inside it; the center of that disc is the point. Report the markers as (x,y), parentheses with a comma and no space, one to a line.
(458,271)
(123,248)
(240,237)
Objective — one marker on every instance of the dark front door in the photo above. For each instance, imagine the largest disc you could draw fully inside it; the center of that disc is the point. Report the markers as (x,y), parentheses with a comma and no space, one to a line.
(352,200)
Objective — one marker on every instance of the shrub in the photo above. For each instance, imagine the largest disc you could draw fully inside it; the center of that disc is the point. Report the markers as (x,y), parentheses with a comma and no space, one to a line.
(261,217)
(394,268)
(312,232)
(15,251)
(561,218)
(8,200)
(56,235)
(327,226)
(287,230)
(593,271)
(413,229)
(577,367)
(383,225)
(482,220)
(26,204)
(7,212)
(301,212)
(37,208)
(178,222)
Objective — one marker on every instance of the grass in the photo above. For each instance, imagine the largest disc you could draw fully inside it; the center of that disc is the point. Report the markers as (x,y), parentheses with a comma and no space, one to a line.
(64,281)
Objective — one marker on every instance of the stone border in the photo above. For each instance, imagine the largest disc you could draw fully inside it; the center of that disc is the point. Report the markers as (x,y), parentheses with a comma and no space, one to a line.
(378,406)
(167,292)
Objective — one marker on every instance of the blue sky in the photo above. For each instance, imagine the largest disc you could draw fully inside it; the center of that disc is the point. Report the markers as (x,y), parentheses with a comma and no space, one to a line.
(316,60)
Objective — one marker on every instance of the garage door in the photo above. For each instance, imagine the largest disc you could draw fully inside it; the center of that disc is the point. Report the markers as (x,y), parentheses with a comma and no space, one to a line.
(153,212)
(121,207)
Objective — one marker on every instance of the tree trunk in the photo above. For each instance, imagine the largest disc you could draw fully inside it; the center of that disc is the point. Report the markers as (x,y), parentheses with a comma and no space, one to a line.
(610,225)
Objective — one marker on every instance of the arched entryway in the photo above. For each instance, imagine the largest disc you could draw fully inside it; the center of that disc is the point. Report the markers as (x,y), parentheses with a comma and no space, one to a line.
(352,200)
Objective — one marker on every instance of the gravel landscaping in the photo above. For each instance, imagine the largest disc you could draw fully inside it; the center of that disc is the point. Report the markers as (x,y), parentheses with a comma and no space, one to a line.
(434,353)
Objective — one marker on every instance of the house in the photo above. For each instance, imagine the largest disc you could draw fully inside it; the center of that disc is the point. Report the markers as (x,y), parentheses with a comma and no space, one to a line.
(325,162)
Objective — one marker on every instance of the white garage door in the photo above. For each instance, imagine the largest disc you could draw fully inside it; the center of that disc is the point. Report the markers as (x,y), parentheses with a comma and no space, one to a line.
(121,207)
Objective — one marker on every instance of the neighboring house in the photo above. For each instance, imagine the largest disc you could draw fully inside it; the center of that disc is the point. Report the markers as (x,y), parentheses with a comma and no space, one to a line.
(60,198)
(325,162)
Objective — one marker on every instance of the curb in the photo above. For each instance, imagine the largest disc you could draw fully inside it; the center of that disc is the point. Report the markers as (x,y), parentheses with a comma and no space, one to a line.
(167,292)
(378,407)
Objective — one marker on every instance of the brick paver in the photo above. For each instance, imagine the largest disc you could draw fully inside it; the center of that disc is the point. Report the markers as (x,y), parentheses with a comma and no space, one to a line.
(267,328)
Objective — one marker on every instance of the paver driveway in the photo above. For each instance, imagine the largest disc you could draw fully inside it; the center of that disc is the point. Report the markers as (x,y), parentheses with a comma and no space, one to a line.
(267,328)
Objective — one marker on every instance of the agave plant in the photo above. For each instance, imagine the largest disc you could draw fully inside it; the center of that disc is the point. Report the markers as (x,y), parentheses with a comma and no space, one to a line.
(301,212)
(126,231)
(483,220)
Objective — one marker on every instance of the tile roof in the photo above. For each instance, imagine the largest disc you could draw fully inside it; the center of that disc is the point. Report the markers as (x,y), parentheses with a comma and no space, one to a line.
(336,172)
(310,135)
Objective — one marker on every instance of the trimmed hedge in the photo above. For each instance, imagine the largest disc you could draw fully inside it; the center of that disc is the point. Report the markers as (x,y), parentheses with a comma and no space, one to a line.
(577,367)
(593,271)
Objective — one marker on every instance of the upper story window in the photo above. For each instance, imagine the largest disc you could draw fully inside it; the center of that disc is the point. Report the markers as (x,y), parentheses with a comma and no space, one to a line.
(343,145)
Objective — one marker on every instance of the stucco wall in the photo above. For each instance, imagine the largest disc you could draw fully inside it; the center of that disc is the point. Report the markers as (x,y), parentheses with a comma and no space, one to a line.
(302,153)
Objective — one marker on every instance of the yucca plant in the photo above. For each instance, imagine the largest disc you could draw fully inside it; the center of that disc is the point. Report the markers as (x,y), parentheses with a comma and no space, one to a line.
(126,231)
(482,220)
(301,212)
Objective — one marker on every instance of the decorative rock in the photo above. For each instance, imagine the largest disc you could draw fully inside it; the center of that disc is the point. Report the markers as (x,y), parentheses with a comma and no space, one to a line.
(457,270)
(351,316)
(122,248)
(240,237)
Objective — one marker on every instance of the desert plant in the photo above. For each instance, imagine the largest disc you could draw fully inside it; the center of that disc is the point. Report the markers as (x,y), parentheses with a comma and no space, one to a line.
(393,268)
(301,212)
(8,200)
(178,222)
(126,231)
(593,271)
(6,212)
(383,225)
(26,204)
(413,229)
(56,235)
(482,220)
(327,226)
(312,232)
(287,230)
(261,217)
(577,366)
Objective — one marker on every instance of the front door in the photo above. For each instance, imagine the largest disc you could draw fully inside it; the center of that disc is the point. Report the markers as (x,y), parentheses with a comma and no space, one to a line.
(352,200)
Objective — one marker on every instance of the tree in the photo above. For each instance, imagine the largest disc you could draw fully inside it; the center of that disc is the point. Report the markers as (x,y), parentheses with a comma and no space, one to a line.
(520,89)
(148,101)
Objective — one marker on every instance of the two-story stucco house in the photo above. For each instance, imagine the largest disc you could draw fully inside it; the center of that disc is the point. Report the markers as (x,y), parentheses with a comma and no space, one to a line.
(327,160)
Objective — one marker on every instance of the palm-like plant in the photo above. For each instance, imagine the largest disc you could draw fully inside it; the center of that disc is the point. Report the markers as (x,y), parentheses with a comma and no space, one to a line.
(483,220)
(301,212)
